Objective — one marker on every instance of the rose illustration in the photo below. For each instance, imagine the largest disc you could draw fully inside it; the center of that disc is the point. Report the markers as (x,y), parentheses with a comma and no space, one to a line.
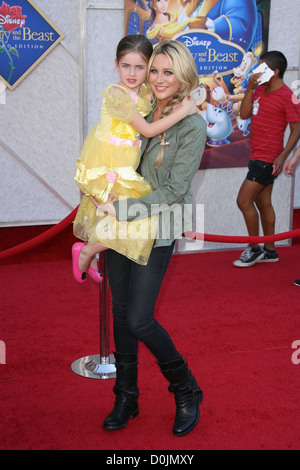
(11,18)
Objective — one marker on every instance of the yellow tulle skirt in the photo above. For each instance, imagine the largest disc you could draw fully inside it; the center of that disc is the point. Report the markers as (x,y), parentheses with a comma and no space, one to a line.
(132,239)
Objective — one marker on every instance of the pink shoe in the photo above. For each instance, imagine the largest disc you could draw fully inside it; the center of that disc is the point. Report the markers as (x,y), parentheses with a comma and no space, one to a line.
(95,274)
(79,275)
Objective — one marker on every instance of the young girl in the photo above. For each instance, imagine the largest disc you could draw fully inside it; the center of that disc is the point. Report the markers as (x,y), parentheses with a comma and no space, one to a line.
(109,158)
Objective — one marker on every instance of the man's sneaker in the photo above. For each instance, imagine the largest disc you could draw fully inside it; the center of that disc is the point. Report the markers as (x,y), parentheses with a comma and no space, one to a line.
(297,282)
(269,256)
(249,257)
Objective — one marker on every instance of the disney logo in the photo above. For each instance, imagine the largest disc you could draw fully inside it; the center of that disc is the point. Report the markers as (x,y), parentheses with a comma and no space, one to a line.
(11,18)
(12,21)
(189,42)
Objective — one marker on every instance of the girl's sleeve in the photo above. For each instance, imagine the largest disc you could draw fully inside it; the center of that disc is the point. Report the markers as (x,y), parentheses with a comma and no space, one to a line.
(119,104)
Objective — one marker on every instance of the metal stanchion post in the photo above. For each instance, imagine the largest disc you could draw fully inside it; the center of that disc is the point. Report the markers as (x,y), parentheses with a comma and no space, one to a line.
(99,366)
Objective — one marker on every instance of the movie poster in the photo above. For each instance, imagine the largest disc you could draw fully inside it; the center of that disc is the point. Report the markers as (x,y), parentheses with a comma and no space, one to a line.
(226,39)
(27,36)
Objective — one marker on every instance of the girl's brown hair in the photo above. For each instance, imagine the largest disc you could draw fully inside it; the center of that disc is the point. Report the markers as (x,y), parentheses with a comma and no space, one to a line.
(134,43)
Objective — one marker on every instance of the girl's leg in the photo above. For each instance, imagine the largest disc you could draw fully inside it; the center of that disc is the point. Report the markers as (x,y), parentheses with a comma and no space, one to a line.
(87,253)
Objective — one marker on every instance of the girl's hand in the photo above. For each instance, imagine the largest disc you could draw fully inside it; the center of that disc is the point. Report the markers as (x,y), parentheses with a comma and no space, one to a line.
(189,106)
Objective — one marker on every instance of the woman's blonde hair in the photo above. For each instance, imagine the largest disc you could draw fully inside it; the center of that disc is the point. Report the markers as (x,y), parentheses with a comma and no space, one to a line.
(185,71)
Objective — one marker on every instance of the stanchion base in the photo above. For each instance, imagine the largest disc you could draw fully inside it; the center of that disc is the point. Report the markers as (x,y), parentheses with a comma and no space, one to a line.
(95,367)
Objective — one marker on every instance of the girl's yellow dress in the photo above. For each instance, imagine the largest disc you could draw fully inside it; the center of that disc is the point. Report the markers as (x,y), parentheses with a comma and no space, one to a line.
(107,165)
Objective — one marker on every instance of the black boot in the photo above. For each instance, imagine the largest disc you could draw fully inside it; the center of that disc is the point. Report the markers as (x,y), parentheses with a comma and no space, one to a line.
(188,395)
(126,391)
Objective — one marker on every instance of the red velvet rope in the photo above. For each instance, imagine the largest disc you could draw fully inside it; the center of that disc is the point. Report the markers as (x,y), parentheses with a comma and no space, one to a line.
(40,238)
(189,235)
(236,239)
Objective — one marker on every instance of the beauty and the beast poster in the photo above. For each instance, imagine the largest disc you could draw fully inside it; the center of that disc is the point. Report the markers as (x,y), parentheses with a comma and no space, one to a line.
(226,38)
(27,36)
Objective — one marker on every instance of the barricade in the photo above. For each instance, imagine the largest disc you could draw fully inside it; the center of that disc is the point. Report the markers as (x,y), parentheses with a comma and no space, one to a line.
(101,366)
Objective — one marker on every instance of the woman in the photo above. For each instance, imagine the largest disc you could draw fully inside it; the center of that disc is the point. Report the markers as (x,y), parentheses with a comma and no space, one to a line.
(169,163)
(109,159)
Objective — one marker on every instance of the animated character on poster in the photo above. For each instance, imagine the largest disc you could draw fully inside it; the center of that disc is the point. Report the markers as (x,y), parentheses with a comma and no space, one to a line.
(226,38)
(240,82)
(164,24)
(219,90)
(226,106)
(219,125)
(232,20)
(160,19)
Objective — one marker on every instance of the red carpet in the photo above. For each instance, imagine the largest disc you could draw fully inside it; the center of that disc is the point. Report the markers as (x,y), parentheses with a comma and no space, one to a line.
(236,327)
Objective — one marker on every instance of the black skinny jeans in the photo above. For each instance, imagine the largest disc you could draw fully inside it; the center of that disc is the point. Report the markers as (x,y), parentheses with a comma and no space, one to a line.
(134,291)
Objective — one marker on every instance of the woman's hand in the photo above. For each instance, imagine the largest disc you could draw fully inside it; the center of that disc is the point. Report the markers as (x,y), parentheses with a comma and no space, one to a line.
(106,208)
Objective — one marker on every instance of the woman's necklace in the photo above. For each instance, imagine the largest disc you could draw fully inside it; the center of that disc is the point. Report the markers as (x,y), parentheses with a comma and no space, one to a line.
(157,113)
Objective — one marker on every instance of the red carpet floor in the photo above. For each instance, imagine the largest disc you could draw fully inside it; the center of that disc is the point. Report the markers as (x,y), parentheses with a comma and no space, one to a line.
(236,327)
